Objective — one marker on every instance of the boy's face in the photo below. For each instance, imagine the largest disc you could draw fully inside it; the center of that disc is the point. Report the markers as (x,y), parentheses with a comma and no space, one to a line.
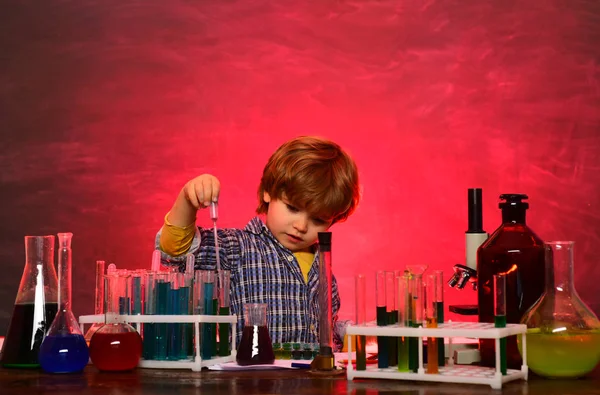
(295,229)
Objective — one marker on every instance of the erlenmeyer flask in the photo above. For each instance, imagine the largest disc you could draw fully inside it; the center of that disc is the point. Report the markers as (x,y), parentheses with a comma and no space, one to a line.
(563,334)
(116,346)
(64,349)
(255,346)
(35,306)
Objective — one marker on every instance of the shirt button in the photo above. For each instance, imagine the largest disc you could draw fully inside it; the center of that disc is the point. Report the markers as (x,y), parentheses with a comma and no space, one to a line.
(312,327)
(290,258)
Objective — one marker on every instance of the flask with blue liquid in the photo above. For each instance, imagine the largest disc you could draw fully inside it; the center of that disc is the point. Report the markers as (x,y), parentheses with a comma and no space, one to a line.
(64,349)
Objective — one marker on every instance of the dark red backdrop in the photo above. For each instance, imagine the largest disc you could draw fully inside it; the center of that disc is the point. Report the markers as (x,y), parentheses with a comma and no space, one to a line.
(108,107)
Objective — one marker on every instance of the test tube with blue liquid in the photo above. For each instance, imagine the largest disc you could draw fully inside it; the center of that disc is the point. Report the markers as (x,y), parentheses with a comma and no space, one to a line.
(186,307)
(149,344)
(382,320)
(163,288)
(207,286)
(500,318)
(224,309)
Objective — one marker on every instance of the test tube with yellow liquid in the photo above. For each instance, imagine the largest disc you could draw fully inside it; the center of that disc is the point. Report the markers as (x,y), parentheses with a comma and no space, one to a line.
(403,304)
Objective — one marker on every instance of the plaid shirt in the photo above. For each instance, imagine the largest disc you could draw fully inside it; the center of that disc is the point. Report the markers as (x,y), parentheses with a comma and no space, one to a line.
(264,271)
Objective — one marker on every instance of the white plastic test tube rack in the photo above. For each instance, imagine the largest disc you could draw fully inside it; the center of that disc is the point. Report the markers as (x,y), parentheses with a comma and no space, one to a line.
(197,363)
(450,373)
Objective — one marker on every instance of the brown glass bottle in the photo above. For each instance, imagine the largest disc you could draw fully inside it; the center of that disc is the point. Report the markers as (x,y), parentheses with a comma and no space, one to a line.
(516,251)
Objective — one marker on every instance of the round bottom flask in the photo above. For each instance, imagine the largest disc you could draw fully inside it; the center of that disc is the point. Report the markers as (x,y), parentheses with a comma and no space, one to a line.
(563,334)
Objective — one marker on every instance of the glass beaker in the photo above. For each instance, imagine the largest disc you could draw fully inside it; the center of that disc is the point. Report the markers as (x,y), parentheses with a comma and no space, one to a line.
(35,305)
(255,346)
(117,346)
(563,334)
(64,349)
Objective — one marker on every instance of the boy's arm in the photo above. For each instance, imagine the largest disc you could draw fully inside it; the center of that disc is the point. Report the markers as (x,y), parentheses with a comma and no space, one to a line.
(338,332)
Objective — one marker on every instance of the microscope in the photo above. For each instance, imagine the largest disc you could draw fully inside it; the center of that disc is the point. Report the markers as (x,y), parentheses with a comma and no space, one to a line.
(474,237)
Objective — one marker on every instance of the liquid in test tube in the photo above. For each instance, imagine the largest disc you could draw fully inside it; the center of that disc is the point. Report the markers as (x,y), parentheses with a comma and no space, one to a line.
(440,314)
(392,313)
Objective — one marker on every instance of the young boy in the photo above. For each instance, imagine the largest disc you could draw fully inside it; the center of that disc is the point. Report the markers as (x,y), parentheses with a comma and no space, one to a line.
(307,185)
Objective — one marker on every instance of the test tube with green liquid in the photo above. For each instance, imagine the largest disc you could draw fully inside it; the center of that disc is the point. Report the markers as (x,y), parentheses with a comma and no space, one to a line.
(500,316)
(392,315)
(186,307)
(361,319)
(404,299)
(416,320)
(382,320)
(440,314)
(174,329)
(430,302)
(224,305)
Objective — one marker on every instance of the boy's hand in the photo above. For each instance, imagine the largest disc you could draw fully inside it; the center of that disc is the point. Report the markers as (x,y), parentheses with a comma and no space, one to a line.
(202,190)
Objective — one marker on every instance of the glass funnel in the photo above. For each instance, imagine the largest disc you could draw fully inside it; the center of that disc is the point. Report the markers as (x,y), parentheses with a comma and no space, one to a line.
(117,346)
(35,306)
(64,349)
(563,334)
(255,346)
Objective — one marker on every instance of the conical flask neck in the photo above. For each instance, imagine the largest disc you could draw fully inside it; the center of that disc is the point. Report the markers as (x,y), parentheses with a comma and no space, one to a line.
(559,268)
(38,282)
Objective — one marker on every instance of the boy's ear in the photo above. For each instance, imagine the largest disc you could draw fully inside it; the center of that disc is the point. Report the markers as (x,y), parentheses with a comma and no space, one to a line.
(266,197)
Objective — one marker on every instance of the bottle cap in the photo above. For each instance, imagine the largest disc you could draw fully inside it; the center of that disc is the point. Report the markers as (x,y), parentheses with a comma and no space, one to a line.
(513,200)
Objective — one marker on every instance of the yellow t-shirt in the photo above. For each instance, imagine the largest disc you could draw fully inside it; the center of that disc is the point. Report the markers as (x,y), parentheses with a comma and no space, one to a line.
(305,261)
(175,240)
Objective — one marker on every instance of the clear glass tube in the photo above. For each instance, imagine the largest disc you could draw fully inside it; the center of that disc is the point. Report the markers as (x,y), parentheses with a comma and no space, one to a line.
(382,319)
(440,286)
(431,298)
(326,320)
(391,297)
(360,285)
(224,309)
(403,304)
(416,318)
(500,315)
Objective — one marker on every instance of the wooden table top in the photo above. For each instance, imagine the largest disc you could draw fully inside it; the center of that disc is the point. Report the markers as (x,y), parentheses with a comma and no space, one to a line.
(287,382)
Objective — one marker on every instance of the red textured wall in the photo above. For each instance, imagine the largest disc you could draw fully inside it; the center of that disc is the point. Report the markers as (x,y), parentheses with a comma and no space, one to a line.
(108,107)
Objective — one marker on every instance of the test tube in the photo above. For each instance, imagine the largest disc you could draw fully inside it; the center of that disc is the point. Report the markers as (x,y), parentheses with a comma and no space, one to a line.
(361,319)
(392,315)
(500,317)
(416,309)
(187,306)
(99,300)
(174,329)
(430,301)
(403,319)
(136,292)
(224,303)
(382,320)
(440,314)
(149,338)
(208,284)
(325,358)
(162,286)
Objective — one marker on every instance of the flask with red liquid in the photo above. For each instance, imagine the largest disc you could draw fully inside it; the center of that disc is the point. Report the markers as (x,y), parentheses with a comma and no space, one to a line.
(516,252)
(117,346)
(255,347)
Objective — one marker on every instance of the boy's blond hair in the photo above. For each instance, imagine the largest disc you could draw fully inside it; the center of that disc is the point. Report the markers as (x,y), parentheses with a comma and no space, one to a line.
(313,174)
